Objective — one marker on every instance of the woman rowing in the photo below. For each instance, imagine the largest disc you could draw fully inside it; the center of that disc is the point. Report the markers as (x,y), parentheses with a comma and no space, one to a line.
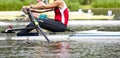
(58,24)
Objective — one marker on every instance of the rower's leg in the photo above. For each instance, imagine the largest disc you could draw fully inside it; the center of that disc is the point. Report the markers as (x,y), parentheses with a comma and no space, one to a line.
(27,30)
(52,25)
(47,24)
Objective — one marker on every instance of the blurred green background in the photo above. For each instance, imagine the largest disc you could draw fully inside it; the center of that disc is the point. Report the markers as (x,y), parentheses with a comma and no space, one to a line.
(73,5)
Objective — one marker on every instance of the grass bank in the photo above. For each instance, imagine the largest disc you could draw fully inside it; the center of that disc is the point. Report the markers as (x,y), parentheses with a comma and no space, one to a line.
(6,5)
(74,5)
(105,3)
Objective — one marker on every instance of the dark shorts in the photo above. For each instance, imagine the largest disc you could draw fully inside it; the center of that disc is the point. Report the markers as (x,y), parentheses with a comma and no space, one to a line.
(48,24)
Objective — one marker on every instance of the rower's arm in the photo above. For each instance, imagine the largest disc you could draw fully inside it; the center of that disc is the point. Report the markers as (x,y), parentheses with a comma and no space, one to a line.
(41,11)
(46,6)
(36,6)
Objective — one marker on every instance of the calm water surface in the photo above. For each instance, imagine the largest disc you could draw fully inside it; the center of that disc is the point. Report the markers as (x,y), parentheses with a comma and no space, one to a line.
(65,49)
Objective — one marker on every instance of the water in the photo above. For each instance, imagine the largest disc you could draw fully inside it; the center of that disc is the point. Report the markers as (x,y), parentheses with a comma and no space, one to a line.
(64,49)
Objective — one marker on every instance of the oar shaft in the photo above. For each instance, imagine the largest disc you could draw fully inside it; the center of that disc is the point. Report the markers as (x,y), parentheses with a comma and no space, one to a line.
(37,27)
(43,34)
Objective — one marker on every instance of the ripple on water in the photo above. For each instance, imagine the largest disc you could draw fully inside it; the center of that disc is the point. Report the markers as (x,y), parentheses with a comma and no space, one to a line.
(64,49)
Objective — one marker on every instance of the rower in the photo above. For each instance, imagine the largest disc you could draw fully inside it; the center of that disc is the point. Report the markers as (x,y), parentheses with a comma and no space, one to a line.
(58,24)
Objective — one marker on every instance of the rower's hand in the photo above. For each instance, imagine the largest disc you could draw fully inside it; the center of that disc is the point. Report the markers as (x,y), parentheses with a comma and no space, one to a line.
(25,10)
(33,10)
(26,6)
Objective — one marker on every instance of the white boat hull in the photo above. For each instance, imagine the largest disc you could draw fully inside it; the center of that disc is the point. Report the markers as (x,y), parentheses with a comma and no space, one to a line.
(95,35)
(80,36)
(51,37)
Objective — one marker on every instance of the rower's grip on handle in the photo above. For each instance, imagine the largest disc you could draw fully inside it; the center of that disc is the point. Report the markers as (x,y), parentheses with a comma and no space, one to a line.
(36,23)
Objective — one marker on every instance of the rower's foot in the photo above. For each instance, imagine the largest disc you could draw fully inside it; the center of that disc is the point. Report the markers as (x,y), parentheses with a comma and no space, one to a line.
(7,32)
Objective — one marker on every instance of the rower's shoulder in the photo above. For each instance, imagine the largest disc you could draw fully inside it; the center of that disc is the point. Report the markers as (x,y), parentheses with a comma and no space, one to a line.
(58,2)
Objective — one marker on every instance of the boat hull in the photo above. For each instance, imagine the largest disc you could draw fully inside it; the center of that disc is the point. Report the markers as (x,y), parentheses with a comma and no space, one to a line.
(79,36)
(74,37)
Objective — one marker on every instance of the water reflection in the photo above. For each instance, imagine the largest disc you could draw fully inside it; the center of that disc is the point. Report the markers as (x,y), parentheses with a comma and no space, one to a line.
(66,49)
(62,49)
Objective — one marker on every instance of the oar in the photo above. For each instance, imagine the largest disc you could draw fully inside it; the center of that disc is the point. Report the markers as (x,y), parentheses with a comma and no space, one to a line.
(36,25)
